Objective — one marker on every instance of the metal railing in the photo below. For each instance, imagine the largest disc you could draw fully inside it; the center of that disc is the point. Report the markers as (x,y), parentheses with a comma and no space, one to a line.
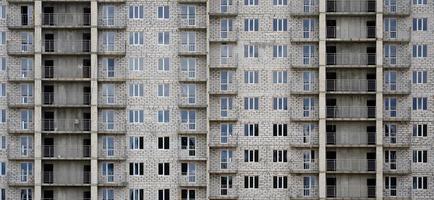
(351,6)
(351,85)
(20,47)
(351,59)
(52,178)
(65,125)
(354,139)
(50,98)
(19,20)
(332,32)
(310,61)
(66,151)
(359,165)
(66,19)
(66,46)
(350,111)
(56,72)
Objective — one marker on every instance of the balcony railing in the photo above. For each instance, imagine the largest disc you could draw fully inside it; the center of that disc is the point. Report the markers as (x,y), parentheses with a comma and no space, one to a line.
(351,6)
(54,125)
(224,141)
(311,61)
(16,125)
(116,178)
(224,36)
(192,21)
(20,100)
(191,180)
(20,47)
(216,8)
(396,166)
(66,46)
(111,127)
(228,166)
(333,192)
(112,22)
(308,113)
(333,32)
(112,100)
(299,87)
(301,8)
(225,192)
(310,165)
(66,152)
(66,19)
(20,20)
(191,49)
(350,111)
(398,61)
(310,35)
(397,114)
(16,151)
(351,165)
(401,7)
(398,35)
(351,85)
(225,62)
(115,153)
(73,72)
(50,98)
(224,88)
(401,86)
(112,48)
(20,74)
(189,101)
(52,178)
(353,139)
(351,59)
(197,125)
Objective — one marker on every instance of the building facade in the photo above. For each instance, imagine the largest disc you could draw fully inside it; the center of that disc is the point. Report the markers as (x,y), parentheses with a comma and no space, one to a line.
(216,99)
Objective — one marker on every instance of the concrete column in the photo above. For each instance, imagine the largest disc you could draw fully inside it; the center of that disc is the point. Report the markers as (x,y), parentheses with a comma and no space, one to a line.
(37,95)
(94,100)
(207,100)
(379,101)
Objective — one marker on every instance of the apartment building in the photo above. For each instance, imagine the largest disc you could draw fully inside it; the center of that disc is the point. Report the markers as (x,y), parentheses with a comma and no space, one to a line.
(219,99)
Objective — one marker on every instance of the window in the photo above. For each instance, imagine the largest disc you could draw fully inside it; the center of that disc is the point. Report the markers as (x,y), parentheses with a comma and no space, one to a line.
(420,51)
(280,24)
(251,77)
(3,39)
(3,169)
(280,77)
(251,181)
(2,194)
(26,194)
(280,51)
(3,142)
(420,103)
(2,115)
(188,118)
(308,159)
(390,132)
(189,144)
(164,169)
(3,63)
(308,28)
(108,171)
(108,145)
(420,77)
(225,27)
(308,81)
(163,143)
(136,116)
(226,79)
(108,41)
(26,92)
(308,54)
(188,93)
(226,54)
(420,183)
(26,119)
(2,89)
(390,184)
(136,142)
(3,16)
(280,103)
(390,54)
(225,132)
(188,67)
(390,159)
(280,2)
(189,170)
(390,27)
(250,51)
(280,156)
(136,169)
(108,93)
(251,129)
(251,2)
(390,80)
(163,38)
(225,106)
(137,194)
(136,90)
(136,38)
(163,116)
(163,64)
(136,12)
(251,155)
(308,185)
(251,25)
(188,194)
(188,41)
(163,12)
(26,170)
(280,182)
(420,130)
(108,118)
(225,184)
(163,90)
(420,156)
(308,106)
(420,2)
(307,133)
(164,194)
(108,194)
(280,129)
(135,64)
(225,158)
(420,24)
(251,103)
(26,67)
(109,67)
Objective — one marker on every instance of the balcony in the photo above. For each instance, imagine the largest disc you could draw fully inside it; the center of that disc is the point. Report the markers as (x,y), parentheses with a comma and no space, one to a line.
(192,76)
(50,178)
(117,153)
(351,59)
(112,101)
(196,126)
(196,154)
(230,62)
(301,88)
(112,127)
(65,152)
(397,166)
(365,192)
(114,180)
(20,48)
(15,179)
(219,10)
(299,8)
(350,165)
(226,36)
(66,125)
(65,20)
(345,7)
(397,114)
(229,115)
(15,74)
(402,61)
(192,49)
(225,192)
(20,21)
(118,22)
(190,22)
(112,49)
(402,87)
(56,100)
(17,152)
(66,47)
(197,101)
(230,141)
(303,192)
(229,167)
(401,8)
(301,167)
(350,112)
(305,36)
(351,86)
(72,73)
(118,74)
(304,114)
(18,126)
(334,34)
(192,180)
(224,89)
(20,101)
(305,62)
(400,35)
(353,140)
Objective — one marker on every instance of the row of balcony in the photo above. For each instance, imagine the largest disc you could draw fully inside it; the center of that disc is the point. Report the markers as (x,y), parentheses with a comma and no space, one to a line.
(75,20)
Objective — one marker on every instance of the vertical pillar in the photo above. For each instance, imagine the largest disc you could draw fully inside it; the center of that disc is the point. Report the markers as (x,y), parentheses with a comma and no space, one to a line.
(38,98)
(379,101)
(94,100)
